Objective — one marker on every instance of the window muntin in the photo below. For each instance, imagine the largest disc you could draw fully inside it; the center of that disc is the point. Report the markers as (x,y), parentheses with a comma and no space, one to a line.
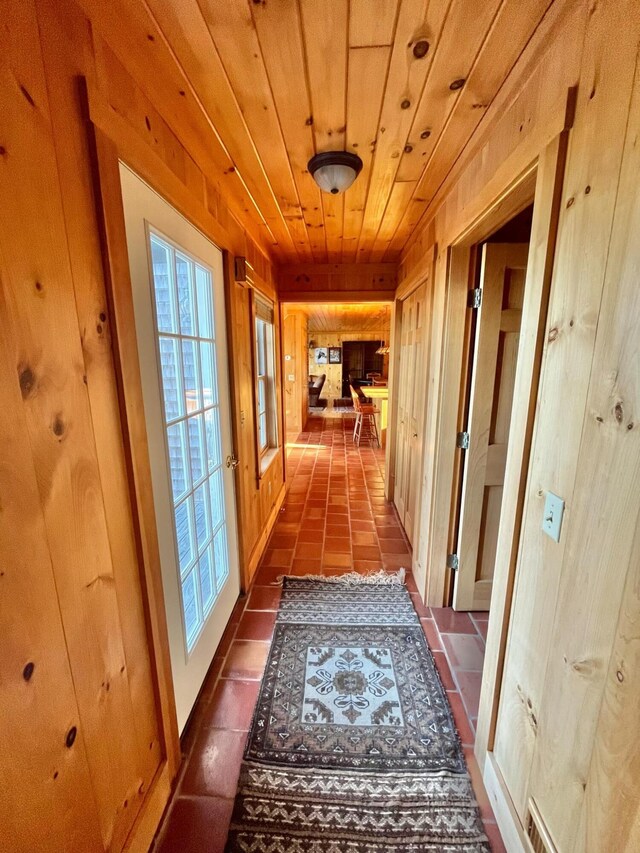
(185,332)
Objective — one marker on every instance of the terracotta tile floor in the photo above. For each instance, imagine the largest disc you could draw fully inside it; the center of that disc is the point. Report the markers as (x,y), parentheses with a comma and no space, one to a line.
(335,519)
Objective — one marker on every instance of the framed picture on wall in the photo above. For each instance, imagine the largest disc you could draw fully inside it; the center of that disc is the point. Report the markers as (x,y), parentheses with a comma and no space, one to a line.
(335,355)
(322,355)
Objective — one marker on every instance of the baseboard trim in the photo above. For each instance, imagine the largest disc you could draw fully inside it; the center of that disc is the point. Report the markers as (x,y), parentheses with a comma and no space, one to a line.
(261,544)
(507,818)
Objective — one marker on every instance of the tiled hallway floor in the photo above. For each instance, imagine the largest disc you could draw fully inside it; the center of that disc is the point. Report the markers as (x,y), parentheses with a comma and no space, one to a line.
(334,519)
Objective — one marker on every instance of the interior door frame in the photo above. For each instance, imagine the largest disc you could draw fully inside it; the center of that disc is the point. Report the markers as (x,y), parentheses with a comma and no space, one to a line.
(541,183)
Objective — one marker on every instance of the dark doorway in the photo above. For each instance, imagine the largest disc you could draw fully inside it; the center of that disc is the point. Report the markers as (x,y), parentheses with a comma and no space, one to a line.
(360,358)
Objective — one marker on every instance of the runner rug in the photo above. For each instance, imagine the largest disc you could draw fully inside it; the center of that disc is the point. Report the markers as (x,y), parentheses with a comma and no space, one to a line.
(352,747)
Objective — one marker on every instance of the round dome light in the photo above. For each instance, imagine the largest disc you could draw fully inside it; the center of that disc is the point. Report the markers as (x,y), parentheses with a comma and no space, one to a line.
(335,171)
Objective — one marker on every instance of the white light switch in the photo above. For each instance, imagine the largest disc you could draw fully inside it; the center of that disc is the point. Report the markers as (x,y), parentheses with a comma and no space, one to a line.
(292,377)
(552,516)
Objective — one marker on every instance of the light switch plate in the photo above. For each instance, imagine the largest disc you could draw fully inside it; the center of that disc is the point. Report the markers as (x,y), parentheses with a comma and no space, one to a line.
(552,516)
(292,377)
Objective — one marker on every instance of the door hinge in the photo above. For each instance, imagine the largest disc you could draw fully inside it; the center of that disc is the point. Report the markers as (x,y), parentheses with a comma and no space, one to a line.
(475,297)
(453,562)
(462,440)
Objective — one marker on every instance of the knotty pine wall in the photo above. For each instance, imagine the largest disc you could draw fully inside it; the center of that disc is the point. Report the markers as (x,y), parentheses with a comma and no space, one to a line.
(81,737)
(295,325)
(567,732)
(332,388)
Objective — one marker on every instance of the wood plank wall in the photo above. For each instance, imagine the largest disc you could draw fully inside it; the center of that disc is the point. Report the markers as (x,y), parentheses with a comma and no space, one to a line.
(563,734)
(81,734)
(295,334)
(337,282)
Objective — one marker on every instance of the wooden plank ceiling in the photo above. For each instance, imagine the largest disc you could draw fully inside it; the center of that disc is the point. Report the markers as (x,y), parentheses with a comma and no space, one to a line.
(347,317)
(280,80)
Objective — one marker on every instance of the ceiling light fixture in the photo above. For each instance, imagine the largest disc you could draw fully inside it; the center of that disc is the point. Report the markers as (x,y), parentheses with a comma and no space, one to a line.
(335,171)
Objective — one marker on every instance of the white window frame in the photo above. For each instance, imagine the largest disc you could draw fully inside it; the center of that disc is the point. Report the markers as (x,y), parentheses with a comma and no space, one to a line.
(265,379)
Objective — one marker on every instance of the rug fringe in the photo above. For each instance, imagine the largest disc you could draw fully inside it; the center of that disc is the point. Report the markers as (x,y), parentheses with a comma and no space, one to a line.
(375,578)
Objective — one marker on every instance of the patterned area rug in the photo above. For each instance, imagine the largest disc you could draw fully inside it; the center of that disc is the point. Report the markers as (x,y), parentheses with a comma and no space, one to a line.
(352,747)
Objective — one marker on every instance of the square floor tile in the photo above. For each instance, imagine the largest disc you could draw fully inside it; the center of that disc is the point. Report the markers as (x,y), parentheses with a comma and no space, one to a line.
(278,557)
(336,561)
(336,544)
(366,552)
(246,659)
(267,575)
(195,824)
(264,598)
(232,705)
(394,546)
(256,625)
(465,651)
(451,621)
(214,765)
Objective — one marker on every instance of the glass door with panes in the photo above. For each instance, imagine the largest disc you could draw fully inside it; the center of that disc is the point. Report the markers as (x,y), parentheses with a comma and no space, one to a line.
(178,294)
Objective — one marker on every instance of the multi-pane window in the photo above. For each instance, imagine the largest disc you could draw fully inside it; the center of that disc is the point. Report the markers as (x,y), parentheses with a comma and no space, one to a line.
(183,290)
(262,378)
(266,416)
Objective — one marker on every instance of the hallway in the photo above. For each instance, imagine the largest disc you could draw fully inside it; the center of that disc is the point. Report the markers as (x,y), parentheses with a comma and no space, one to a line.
(335,519)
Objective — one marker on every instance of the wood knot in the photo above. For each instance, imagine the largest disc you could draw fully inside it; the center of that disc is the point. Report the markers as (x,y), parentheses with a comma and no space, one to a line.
(58,426)
(27,672)
(420,49)
(584,666)
(425,134)
(570,202)
(587,189)
(630,426)
(3,151)
(71,737)
(147,122)
(457,84)
(405,104)
(27,380)
(620,676)
(618,412)
(408,148)
(309,121)
(553,334)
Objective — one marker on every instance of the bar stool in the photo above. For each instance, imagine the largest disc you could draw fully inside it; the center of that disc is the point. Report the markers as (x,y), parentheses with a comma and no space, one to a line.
(365,413)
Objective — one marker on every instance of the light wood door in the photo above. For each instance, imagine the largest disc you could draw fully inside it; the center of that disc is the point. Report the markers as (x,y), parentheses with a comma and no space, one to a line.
(411,402)
(178,295)
(491,395)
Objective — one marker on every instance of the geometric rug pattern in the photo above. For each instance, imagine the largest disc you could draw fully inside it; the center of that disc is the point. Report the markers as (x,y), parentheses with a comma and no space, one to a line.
(352,747)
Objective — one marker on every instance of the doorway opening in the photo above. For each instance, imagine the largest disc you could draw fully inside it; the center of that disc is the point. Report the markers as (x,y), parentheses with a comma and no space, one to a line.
(492,331)
(328,349)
